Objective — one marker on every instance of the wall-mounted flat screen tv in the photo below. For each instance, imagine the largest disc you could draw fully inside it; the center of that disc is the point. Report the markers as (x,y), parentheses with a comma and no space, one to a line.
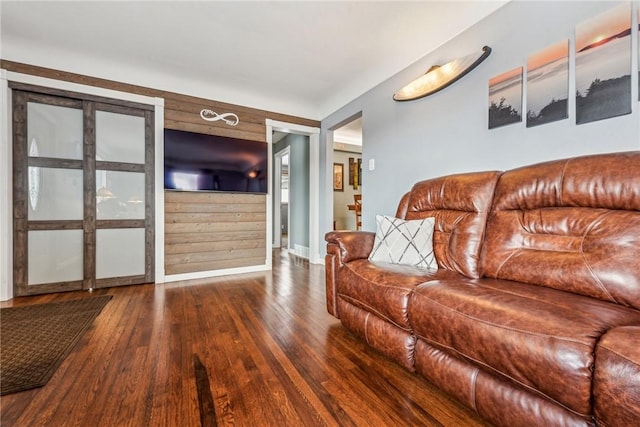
(199,162)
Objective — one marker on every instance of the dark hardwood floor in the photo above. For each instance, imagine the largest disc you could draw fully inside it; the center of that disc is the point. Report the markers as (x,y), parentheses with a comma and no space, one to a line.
(253,350)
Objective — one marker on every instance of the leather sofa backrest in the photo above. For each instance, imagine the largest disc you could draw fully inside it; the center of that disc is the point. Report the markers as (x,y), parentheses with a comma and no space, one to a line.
(570,224)
(460,205)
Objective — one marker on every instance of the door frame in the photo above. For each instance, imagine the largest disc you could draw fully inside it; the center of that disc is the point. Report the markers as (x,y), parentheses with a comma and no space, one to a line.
(314,183)
(330,151)
(277,199)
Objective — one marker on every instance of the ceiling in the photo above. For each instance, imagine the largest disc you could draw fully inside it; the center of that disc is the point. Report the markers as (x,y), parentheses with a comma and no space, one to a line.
(350,133)
(303,58)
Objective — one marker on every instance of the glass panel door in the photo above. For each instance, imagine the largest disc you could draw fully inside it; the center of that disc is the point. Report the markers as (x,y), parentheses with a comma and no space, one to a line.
(48,193)
(83,191)
(122,183)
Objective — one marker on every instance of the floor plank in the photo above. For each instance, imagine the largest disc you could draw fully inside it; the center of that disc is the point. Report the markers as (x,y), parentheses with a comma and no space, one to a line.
(272,353)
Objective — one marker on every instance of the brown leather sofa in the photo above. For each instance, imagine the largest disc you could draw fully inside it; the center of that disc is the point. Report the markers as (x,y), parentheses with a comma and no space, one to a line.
(533,316)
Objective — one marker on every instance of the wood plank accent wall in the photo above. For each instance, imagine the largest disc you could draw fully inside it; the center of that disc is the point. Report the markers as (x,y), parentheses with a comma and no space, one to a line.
(213,231)
(203,231)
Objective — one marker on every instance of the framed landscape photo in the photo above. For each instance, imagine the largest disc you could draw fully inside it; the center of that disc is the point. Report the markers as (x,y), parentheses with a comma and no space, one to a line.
(548,85)
(505,98)
(603,65)
(338,177)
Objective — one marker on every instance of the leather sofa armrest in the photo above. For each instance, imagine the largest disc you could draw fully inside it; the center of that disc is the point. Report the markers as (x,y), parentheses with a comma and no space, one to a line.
(350,245)
(342,247)
(616,387)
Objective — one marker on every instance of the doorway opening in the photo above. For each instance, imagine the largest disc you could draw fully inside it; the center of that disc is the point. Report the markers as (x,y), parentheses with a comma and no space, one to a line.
(281,195)
(347,157)
(294,215)
(303,193)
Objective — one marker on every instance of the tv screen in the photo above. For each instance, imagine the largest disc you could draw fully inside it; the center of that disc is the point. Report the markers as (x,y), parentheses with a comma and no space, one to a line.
(199,162)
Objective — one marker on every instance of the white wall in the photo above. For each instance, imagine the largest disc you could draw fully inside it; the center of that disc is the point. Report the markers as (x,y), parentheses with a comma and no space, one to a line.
(447,132)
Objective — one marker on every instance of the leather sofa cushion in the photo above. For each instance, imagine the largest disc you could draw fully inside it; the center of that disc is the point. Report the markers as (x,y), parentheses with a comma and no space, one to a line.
(541,338)
(572,225)
(460,205)
(616,387)
(383,288)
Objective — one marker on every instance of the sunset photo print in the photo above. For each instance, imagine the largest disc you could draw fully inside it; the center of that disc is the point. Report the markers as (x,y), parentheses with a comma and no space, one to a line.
(548,85)
(505,98)
(603,65)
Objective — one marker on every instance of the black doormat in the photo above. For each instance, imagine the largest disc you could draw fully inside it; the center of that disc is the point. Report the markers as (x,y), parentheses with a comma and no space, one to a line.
(35,339)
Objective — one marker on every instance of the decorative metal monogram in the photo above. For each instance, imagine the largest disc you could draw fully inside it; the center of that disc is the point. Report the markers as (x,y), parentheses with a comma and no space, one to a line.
(211,116)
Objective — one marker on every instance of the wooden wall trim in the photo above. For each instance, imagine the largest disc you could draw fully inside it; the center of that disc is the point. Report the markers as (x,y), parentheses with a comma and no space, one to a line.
(172,99)
(132,106)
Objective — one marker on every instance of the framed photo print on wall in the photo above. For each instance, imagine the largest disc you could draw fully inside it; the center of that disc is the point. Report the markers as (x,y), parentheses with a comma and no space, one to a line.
(505,98)
(548,85)
(338,177)
(603,65)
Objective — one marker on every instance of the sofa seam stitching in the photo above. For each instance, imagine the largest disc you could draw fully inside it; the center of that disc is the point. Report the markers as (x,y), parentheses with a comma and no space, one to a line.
(586,263)
(604,347)
(390,286)
(473,390)
(366,328)
(517,251)
(562,175)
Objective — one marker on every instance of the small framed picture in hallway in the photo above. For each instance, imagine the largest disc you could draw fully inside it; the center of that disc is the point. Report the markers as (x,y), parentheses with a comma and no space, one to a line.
(338,177)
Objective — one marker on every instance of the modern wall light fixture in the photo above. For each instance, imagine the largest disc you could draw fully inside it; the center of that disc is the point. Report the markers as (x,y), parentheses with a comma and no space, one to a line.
(439,77)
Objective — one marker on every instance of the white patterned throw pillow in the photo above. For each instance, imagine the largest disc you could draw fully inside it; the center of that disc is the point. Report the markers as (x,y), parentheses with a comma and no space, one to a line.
(399,241)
